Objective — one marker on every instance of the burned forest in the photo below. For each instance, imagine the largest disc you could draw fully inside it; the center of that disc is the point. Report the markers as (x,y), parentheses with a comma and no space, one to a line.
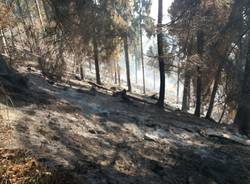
(124,92)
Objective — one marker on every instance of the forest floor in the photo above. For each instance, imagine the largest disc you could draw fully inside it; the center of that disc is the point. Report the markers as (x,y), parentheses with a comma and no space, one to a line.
(94,138)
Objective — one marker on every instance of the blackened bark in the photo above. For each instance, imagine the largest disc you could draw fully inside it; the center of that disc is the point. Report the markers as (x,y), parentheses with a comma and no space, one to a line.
(127,62)
(242,118)
(142,58)
(115,74)
(178,84)
(198,93)
(200,47)
(214,91)
(82,72)
(96,58)
(160,55)
(186,92)
(187,79)
(118,74)
(223,113)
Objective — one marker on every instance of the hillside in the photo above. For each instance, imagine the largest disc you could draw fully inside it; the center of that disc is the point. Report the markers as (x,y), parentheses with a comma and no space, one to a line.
(79,133)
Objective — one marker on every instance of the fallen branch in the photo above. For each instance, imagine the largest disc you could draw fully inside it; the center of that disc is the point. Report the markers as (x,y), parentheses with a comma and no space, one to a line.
(127,95)
(99,86)
(228,136)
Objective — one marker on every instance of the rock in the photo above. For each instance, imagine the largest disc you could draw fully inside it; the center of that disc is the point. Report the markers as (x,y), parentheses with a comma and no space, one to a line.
(92,131)
(51,82)
(78,77)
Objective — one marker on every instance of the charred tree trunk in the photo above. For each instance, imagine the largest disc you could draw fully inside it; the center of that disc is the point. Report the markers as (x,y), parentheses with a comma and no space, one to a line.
(115,74)
(186,92)
(118,74)
(198,93)
(90,66)
(136,70)
(187,79)
(223,113)
(12,38)
(154,77)
(27,29)
(214,91)
(142,59)
(200,45)
(31,25)
(127,62)
(5,44)
(82,72)
(242,118)
(160,55)
(96,58)
(178,84)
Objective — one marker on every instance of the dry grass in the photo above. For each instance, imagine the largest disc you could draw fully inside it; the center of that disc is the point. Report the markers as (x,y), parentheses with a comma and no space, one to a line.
(18,167)
(21,167)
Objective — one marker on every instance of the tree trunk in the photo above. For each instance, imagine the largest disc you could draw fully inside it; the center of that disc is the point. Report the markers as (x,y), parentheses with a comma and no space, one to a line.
(90,66)
(115,68)
(136,70)
(178,84)
(46,10)
(31,23)
(82,72)
(96,58)
(186,91)
(187,79)
(25,26)
(12,38)
(242,118)
(214,91)
(154,77)
(200,45)
(21,41)
(127,62)
(223,113)
(5,44)
(198,93)
(29,12)
(160,55)
(142,58)
(118,74)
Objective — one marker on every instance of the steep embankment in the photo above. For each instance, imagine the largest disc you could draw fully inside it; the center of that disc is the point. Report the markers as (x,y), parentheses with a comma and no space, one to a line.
(98,138)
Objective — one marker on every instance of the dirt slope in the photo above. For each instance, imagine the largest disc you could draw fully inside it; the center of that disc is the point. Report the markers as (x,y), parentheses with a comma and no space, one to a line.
(103,140)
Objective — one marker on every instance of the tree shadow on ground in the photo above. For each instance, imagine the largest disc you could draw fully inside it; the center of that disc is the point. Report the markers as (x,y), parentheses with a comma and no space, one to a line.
(110,157)
(118,155)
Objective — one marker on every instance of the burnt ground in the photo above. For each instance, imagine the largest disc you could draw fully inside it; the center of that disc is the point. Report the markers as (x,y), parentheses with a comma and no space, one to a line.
(101,139)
